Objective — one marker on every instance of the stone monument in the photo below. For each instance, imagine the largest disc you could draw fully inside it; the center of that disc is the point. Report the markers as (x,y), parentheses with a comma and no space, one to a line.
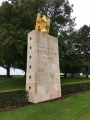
(43,73)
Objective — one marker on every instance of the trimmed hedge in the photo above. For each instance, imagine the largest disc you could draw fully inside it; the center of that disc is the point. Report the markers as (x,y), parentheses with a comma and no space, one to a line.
(13,98)
(73,88)
(20,96)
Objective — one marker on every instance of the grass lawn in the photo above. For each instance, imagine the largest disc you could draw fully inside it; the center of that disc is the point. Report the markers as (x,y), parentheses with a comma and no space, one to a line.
(70,80)
(15,82)
(73,108)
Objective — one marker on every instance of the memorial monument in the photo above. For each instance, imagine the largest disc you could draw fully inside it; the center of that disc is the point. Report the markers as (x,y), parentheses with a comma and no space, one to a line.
(43,73)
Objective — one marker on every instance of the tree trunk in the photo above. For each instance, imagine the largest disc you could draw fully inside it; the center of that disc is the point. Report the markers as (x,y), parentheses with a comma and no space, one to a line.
(72,75)
(86,72)
(8,71)
(65,75)
(25,74)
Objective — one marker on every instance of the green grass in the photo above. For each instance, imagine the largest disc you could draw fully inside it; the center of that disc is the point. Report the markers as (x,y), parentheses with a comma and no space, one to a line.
(70,80)
(73,108)
(15,82)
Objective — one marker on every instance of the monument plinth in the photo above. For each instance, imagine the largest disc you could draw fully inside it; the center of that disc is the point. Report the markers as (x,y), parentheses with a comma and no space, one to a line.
(43,73)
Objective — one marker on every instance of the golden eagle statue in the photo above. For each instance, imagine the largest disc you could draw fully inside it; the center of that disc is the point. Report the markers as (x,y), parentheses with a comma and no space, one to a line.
(42,23)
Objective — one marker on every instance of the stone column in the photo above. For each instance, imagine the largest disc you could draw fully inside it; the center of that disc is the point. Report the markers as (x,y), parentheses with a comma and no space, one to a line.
(43,73)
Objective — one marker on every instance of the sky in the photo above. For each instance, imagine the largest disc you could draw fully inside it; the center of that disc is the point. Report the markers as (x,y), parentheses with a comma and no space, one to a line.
(80,11)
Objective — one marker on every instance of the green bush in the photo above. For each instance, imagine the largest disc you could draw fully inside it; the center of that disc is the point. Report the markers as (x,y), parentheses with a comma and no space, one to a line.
(13,98)
(73,88)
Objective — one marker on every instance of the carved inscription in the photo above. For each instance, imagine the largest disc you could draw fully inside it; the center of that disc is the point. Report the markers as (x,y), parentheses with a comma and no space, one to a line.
(41,47)
(48,50)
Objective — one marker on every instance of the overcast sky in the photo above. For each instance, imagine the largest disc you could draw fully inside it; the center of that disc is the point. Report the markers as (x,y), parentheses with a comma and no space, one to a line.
(81,12)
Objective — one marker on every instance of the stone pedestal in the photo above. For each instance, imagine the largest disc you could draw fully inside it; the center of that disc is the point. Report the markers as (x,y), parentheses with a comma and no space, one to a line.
(43,73)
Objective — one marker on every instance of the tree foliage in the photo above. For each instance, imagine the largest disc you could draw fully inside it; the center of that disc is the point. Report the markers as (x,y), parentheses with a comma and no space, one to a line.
(70,58)
(84,47)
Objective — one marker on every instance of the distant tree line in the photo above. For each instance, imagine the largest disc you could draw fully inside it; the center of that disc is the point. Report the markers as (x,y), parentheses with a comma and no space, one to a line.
(18,17)
(75,52)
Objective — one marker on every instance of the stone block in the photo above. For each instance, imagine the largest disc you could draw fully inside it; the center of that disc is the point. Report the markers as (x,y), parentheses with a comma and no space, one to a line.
(43,73)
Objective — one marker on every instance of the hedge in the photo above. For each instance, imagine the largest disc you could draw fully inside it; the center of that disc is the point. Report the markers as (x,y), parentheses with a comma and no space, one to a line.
(13,98)
(73,88)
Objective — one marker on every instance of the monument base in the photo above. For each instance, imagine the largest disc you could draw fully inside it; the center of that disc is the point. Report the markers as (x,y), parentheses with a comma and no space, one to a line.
(43,73)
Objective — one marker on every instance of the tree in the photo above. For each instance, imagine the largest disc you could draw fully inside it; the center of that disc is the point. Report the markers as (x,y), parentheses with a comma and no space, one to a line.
(17,19)
(6,37)
(84,46)
(59,12)
(70,58)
